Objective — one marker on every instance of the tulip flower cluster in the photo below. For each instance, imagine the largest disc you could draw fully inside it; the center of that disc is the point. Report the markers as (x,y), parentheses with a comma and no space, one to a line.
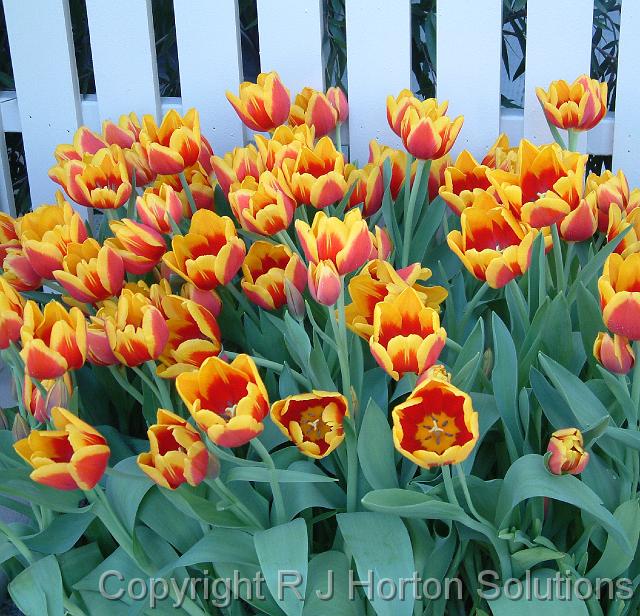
(278,315)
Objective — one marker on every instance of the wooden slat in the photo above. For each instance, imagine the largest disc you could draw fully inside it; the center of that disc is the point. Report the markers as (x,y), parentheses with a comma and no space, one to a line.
(291,42)
(44,69)
(210,63)
(558,47)
(6,189)
(466,28)
(378,64)
(626,134)
(124,57)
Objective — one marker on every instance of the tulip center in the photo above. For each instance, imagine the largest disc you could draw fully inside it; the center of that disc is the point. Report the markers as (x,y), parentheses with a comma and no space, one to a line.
(312,425)
(230,411)
(437,432)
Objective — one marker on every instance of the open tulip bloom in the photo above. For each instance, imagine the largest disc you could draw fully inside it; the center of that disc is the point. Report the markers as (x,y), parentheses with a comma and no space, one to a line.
(277,358)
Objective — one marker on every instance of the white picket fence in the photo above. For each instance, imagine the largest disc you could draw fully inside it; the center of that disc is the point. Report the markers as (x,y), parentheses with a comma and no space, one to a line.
(47,107)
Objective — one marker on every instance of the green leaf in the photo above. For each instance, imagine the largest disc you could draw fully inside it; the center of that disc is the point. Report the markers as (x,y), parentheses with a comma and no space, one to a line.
(473,345)
(428,223)
(297,341)
(38,590)
(283,556)
(375,449)
(590,320)
(556,410)
(529,478)
(300,496)
(202,509)
(380,544)
(62,534)
(558,328)
(125,491)
(329,566)
(264,475)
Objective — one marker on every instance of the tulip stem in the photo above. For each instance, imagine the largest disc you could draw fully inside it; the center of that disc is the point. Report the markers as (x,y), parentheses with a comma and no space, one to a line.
(275,366)
(187,191)
(467,495)
(448,485)
(278,502)
(284,238)
(243,303)
(342,343)
(218,485)
(557,257)
(573,140)
(148,382)
(635,379)
(338,137)
(161,385)
(475,300)
(409,212)
(567,263)
(124,383)
(556,135)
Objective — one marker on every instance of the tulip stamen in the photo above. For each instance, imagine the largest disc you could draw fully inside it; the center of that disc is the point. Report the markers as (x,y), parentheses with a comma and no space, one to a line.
(230,410)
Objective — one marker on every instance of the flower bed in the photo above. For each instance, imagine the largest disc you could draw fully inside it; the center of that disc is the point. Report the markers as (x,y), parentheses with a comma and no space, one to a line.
(275,381)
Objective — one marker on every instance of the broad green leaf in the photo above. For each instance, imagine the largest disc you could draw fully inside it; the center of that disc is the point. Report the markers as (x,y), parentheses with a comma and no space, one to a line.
(380,544)
(425,229)
(125,491)
(325,569)
(375,449)
(590,320)
(556,410)
(264,475)
(37,591)
(62,534)
(473,345)
(202,509)
(283,556)
(528,558)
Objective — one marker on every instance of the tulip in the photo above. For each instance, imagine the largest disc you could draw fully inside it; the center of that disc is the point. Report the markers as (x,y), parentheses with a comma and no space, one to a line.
(314,109)
(207,299)
(548,183)
(227,400)
(11,309)
(18,271)
(176,453)
(210,254)
(398,161)
(53,340)
(125,133)
(345,243)
(436,175)
(46,234)
(264,105)
(85,141)
(338,100)
(619,288)
(312,421)
(202,190)
(266,270)
(91,273)
(382,245)
(316,177)
(140,247)
(99,180)
(578,106)
(285,143)
(266,206)
(8,235)
(407,337)
(137,164)
(567,452)
(396,108)
(155,209)
(615,354)
(379,281)
(175,144)
(137,331)
(236,165)
(59,392)
(436,425)
(368,187)
(462,181)
(501,155)
(71,457)
(325,283)
(620,222)
(582,221)
(99,351)
(611,190)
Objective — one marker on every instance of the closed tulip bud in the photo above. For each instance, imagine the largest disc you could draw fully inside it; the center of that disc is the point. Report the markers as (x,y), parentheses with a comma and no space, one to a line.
(125,133)
(18,271)
(398,162)
(368,187)
(236,165)
(202,190)
(382,245)
(615,354)
(137,164)
(487,362)
(314,109)
(58,392)
(85,141)
(264,105)
(175,144)
(325,283)
(338,100)
(20,428)
(578,106)
(567,452)
(619,288)
(207,299)
(99,351)
(156,207)
(612,190)
(295,301)
(140,247)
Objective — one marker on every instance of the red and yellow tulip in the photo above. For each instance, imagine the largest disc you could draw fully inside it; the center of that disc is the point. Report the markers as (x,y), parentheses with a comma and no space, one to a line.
(155,207)
(8,235)
(619,288)
(265,206)
(140,247)
(263,105)
(437,424)
(285,143)
(99,352)
(578,106)
(615,354)
(53,340)
(85,141)
(501,155)
(207,299)
(314,109)
(266,271)
(210,254)
(18,271)
(11,309)
(59,392)
(398,161)
(71,457)
(176,453)
(338,100)
(200,186)
(611,190)
(312,421)
(125,133)
(407,337)
(227,400)
(368,187)
(175,144)
(567,452)
(462,181)
(236,165)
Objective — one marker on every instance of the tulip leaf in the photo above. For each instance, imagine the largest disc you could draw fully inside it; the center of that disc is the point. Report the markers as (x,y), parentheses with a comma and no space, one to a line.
(590,320)
(375,449)
(620,392)
(518,311)
(283,556)
(300,496)
(297,341)
(381,547)
(428,223)
(473,345)
(629,438)
(125,491)
(528,478)
(62,534)
(324,568)
(558,327)
(556,410)
(264,475)
(38,589)
(504,378)
(390,219)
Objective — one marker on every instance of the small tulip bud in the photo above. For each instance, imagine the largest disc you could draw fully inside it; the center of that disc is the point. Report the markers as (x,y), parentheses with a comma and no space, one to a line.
(567,452)
(20,428)
(295,301)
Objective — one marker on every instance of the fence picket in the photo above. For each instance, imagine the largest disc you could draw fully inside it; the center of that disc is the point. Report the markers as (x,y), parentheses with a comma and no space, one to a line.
(558,47)
(472,88)
(124,57)
(44,69)
(378,64)
(6,190)
(297,54)
(208,36)
(626,132)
